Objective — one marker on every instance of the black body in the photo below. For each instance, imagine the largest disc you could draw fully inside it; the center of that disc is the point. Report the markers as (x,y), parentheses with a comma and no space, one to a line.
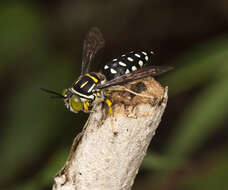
(126,63)
(84,87)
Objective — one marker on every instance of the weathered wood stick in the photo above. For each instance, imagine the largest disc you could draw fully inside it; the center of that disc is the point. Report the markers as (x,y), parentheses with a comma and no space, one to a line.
(108,153)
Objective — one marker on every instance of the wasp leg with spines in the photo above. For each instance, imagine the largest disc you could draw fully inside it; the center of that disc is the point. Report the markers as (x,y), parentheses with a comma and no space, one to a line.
(86,106)
(123,88)
(109,104)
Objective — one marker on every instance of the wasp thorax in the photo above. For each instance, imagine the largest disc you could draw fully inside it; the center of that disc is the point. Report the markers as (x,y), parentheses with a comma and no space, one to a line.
(72,101)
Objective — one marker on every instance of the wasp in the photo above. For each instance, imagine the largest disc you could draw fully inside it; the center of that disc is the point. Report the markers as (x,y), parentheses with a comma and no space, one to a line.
(95,87)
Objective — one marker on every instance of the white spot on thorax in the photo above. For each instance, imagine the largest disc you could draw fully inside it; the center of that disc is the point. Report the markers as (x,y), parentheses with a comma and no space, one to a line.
(114,60)
(122,64)
(146,58)
(83,84)
(144,53)
(113,71)
(91,88)
(123,55)
(134,68)
(106,67)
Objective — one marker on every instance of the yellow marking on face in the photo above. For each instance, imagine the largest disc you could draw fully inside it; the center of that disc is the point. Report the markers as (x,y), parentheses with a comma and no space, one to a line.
(82,85)
(86,106)
(93,78)
(109,103)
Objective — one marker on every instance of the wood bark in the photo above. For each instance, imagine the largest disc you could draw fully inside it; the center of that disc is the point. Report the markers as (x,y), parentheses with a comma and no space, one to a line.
(109,151)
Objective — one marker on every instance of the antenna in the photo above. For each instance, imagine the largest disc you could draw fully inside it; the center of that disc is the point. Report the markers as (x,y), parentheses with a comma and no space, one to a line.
(57,95)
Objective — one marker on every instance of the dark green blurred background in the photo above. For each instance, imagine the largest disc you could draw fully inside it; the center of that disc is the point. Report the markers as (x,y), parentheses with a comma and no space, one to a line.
(41,45)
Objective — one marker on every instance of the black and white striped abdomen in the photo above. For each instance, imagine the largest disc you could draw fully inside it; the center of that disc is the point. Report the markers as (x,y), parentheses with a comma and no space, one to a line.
(127,63)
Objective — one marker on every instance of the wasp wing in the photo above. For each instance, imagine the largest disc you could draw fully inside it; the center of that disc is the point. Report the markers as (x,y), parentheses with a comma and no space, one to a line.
(93,42)
(142,73)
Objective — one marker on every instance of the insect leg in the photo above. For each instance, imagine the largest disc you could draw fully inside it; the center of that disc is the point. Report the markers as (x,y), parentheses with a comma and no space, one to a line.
(123,88)
(109,104)
(86,106)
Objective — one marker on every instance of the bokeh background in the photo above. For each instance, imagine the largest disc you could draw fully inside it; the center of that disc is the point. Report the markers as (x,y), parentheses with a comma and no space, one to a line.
(41,46)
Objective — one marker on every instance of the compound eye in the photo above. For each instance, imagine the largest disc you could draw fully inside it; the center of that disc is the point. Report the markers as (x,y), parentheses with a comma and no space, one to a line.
(76,103)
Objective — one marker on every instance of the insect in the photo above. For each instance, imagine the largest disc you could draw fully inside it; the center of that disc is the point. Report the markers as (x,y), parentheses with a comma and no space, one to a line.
(94,87)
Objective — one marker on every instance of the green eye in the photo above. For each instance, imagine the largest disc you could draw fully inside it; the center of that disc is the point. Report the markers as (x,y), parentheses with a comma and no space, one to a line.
(64,92)
(76,103)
